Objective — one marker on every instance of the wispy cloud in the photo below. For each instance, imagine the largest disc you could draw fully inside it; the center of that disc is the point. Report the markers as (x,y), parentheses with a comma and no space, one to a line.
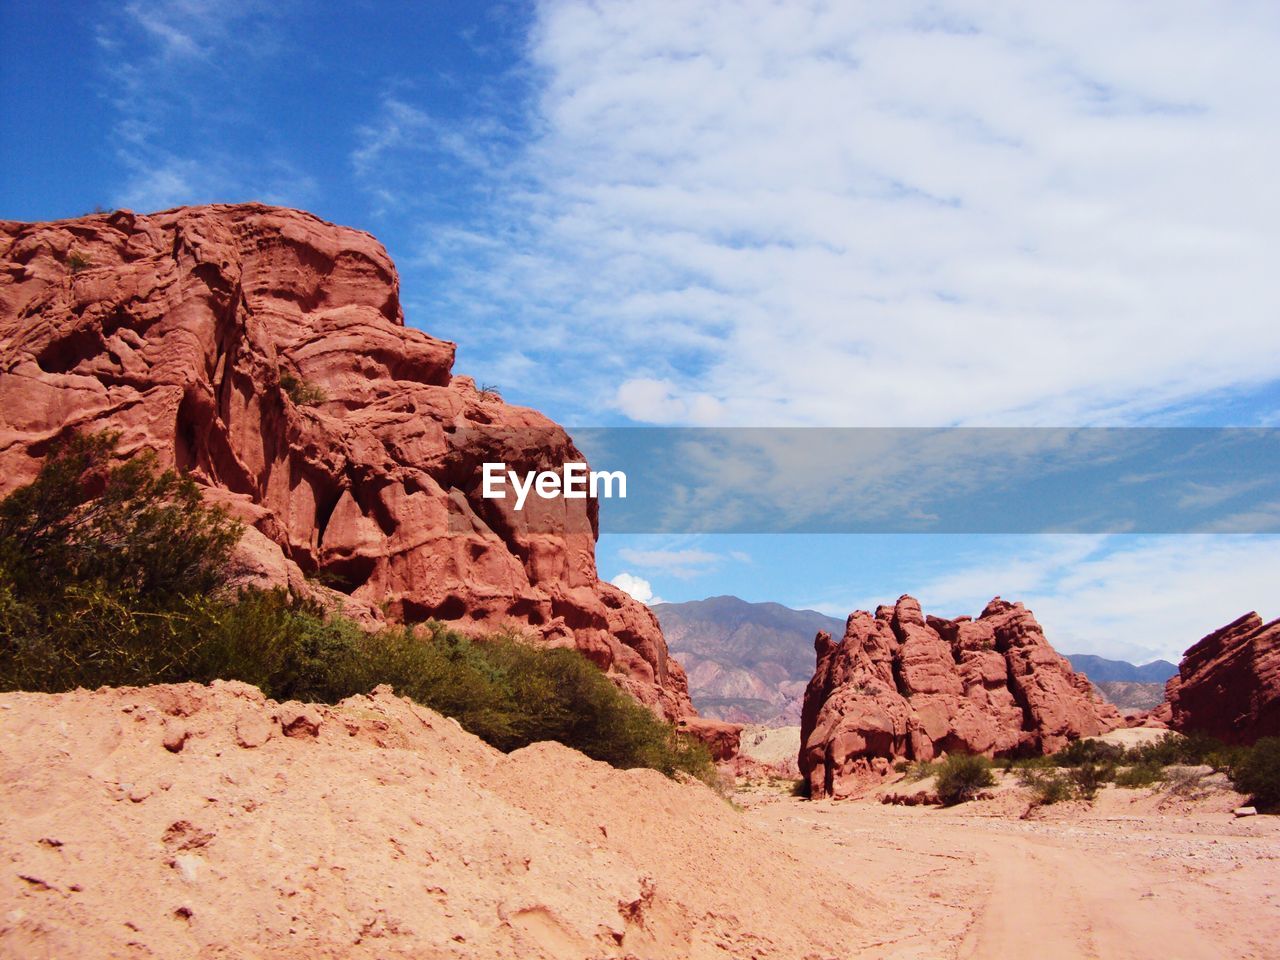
(172,72)
(1134,598)
(1199,496)
(918,213)
(684,563)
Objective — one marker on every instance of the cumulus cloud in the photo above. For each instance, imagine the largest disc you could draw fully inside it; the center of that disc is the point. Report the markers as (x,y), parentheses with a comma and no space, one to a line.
(1135,598)
(639,588)
(916,213)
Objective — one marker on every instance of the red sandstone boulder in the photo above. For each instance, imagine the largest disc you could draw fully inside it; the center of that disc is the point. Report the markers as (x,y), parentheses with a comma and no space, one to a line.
(900,686)
(1228,684)
(264,352)
(722,739)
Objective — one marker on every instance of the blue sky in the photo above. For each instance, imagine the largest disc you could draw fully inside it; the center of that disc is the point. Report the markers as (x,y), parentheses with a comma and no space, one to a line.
(920,213)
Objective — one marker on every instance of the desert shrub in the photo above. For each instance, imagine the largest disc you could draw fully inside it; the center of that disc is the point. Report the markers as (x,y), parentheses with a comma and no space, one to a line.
(1047,785)
(917,770)
(505,691)
(1257,772)
(1184,781)
(1088,778)
(84,520)
(77,262)
(105,570)
(302,392)
(1173,748)
(1139,775)
(961,776)
(1083,752)
(1226,758)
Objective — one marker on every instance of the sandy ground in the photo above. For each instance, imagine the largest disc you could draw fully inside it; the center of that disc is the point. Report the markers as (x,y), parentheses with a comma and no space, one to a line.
(207,822)
(777,746)
(194,822)
(1123,879)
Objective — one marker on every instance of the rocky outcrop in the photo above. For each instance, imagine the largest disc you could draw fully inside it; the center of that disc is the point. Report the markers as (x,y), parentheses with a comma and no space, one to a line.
(1228,684)
(903,686)
(721,739)
(264,352)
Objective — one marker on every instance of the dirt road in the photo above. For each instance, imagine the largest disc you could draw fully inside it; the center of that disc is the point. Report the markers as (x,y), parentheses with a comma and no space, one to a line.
(1116,887)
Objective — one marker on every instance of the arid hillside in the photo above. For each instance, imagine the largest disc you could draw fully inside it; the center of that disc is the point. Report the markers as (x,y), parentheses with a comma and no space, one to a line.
(182,821)
(189,821)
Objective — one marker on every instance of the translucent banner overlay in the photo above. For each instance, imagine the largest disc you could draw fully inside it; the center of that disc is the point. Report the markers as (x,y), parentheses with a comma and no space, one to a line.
(862,480)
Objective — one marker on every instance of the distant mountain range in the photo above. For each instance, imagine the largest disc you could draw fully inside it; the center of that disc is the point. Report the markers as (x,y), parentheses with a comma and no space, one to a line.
(747,662)
(1099,669)
(1127,686)
(750,662)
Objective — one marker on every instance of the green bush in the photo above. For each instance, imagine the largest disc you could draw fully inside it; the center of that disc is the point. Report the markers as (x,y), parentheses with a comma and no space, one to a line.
(104,570)
(1082,752)
(1047,786)
(961,776)
(1139,775)
(118,575)
(917,770)
(1088,778)
(302,392)
(505,691)
(1257,772)
(1172,748)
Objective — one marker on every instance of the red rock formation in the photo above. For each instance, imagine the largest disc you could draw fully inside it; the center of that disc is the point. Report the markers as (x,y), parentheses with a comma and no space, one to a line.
(264,352)
(722,739)
(1228,684)
(900,686)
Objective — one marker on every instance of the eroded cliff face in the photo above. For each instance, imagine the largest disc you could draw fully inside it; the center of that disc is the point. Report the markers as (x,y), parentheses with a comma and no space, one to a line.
(264,352)
(903,686)
(1228,684)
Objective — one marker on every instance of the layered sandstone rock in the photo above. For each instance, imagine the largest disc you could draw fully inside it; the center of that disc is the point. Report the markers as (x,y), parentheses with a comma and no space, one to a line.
(264,352)
(903,686)
(1228,684)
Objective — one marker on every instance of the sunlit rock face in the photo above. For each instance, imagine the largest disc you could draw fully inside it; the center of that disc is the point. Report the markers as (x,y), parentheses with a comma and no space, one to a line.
(264,352)
(902,686)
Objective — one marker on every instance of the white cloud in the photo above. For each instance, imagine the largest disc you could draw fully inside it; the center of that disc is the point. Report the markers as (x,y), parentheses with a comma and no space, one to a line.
(639,588)
(660,401)
(1129,598)
(916,213)
(1204,495)
(684,564)
(175,78)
